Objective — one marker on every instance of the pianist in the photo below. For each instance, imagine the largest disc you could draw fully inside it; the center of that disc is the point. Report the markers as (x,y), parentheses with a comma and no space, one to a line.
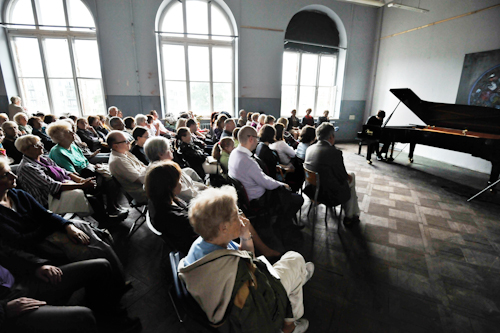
(377,121)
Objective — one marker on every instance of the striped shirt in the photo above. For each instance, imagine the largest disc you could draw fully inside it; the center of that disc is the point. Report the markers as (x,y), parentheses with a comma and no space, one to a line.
(33,178)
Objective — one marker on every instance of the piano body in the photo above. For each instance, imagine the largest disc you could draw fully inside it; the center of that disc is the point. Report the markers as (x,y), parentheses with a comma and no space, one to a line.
(464,128)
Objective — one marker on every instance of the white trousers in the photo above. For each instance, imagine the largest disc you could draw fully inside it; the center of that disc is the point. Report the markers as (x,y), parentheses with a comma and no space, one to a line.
(351,206)
(292,271)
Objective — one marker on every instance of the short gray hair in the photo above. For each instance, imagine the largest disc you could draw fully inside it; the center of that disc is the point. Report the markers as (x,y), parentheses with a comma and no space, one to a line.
(141,119)
(211,208)
(55,130)
(18,115)
(155,146)
(24,142)
(324,131)
(15,99)
(8,124)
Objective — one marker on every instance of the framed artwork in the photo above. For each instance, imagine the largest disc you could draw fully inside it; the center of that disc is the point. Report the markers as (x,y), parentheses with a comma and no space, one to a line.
(480,80)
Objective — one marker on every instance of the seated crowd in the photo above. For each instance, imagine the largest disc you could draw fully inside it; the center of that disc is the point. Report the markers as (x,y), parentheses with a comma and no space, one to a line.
(80,165)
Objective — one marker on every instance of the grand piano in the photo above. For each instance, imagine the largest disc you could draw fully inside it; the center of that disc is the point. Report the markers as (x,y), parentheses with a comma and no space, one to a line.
(465,128)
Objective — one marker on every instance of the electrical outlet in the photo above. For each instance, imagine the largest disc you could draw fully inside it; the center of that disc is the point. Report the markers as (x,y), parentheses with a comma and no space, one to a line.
(352,117)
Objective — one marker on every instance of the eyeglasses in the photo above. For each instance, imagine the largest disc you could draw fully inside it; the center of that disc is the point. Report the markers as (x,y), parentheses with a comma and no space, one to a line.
(120,142)
(39,144)
(5,175)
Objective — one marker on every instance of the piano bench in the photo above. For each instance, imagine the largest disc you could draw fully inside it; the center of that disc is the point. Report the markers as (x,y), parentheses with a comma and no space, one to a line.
(362,142)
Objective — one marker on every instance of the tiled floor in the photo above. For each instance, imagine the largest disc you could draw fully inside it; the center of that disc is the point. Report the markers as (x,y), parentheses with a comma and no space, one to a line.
(423,259)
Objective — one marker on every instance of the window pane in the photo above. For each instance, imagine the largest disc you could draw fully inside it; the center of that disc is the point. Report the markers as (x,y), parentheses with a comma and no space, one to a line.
(220,24)
(91,96)
(174,62)
(197,18)
(176,96)
(63,96)
(27,57)
(222,58)
(87,58)
(200,97)
(223,97)
(173,20)
(290,68)
(22,13)
(198,63)
(57,58)
(79,15)
(306,99)
(34,95)
(325,100)
(327,71)
(51,13)
(309,69)
(288,98)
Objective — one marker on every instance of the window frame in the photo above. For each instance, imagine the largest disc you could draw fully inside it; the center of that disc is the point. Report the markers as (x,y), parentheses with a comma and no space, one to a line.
(14,31)
(186,41)
(297,85)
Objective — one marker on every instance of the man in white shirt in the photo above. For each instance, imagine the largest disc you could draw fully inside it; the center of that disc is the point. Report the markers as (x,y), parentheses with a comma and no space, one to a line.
(125,167)
(260,187)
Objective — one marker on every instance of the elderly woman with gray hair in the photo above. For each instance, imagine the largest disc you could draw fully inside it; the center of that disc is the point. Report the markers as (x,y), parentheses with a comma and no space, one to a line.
(159,148)
(52,186)
(235,289)
(70,157)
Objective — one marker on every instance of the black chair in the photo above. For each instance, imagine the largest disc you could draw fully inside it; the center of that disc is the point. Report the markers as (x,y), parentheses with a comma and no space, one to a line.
(141,207)
(252,212)
(313,179)
(187,309)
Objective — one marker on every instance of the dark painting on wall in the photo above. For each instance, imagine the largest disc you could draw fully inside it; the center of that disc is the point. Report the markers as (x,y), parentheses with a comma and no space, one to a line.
(480,81)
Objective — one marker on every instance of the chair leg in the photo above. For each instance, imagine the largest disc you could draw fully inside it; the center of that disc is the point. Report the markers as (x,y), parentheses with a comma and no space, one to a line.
(175,306)
(326,217)
(136,226)
(339,218)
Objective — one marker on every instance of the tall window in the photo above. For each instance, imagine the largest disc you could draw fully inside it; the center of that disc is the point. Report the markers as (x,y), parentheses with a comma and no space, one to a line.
(196,41)
(308,81)
(56,56)
(310,64)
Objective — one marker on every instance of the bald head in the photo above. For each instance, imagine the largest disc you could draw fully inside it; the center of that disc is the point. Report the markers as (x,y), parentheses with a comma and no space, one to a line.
(117,141)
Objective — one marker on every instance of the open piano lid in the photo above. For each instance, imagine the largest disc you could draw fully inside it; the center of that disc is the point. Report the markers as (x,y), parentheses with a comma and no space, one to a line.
(456,116)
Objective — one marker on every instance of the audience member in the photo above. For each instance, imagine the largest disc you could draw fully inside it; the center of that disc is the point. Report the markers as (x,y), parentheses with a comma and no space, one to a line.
(34,295)
(224,266)
(249,118)
(293,122)
(98,126)
(289,138)
(159,149)
(337,186)
(270,120)
(261,122)
(308,119)
(3,118)
(307,138)
(168,212)
(15,106)
(22,122)
(285,152)
(191,153)
(88,134)
(324,118)
(140,136)
(159,125)
(36,124)
(125,167)
(70,157)
(154,130)
(235,136)
(255,120)
(196,136)
(2,149)
(242,120)
(53,187)
(229,127)
(117,124)
(11,134)
(222,150)
(48,119)
(129,124)
(265,190)
(219,129)
(181,122)
(267,136)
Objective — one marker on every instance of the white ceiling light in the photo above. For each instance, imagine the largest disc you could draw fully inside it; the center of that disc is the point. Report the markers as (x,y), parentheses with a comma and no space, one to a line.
(375,3)
(401,6)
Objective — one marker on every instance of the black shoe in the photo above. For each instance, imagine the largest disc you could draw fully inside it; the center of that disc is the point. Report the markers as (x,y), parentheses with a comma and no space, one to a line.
(117,214)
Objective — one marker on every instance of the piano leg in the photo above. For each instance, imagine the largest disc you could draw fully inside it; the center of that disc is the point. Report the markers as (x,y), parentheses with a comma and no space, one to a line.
(412,149)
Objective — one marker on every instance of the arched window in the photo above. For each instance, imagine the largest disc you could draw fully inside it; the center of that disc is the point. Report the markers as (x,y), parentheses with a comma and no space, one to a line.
(56,57)
(310,64)
(197,57)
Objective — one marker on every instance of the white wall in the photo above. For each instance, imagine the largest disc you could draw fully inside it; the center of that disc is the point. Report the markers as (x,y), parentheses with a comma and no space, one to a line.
(429,61)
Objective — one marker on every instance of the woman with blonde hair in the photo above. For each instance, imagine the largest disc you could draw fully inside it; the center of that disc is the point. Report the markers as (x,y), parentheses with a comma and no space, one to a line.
(221,151)
(22,122)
